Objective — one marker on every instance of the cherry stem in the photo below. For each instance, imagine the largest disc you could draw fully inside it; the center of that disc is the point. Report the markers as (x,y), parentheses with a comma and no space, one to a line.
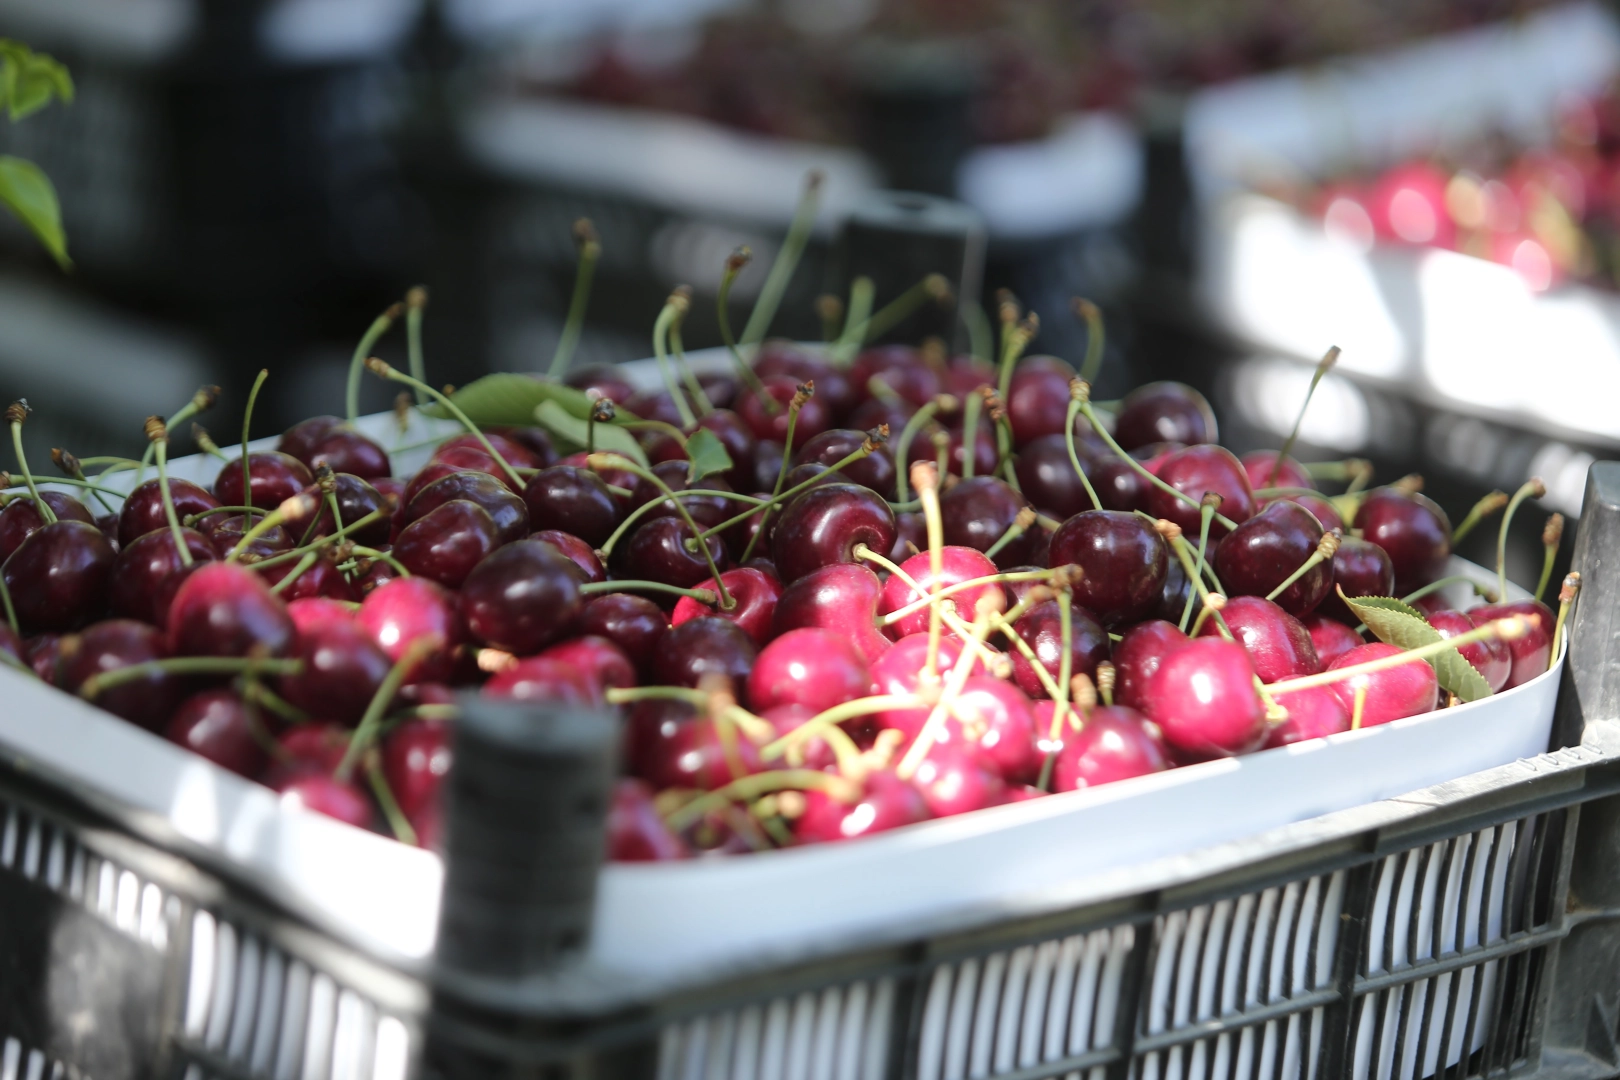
(1349,469)
(304,563)
(1481,510)
(936,717)
(1106,676)
(379,326)
(980,335)
(158,435)
(74,469)
(1095,339)
(259,694)
(1359,708)
(295,506)
(247,424)
(366,730)
(397,821)
(92,687)
(832,717)
(590,251)
(782,498)
(1206,511)
(725,602)
(830,310)
(1213,603)
(925,478)
(383,557)
(647,507)
(734,264)
(671,430)
(702,596)
(319,542)
(1020,525)
(1060,708)
(1514,626)
(1324,551)
(1081,390)
(673,309)
(787,259)
(16,413)
(1566,599)
(1532,488)
(751,787)
(382,369)
(861,294)
(1074,458)
(201,401)
(902,444)
(800,396)
(1004,623)
(1183,551)
(415,307)
(970,434)
(933,287)
(1323,366)
(694,389)
(1552,536)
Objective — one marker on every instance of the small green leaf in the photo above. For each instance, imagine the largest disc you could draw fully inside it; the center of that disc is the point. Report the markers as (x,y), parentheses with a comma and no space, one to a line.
(570,429)
(29,80)
(27,191)
(1407,630)
(507,399)
(1388,603)
(707,453)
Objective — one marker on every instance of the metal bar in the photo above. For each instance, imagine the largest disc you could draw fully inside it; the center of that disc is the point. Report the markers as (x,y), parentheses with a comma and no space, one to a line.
(1208,1029)
(1338,1015)
(1132,990)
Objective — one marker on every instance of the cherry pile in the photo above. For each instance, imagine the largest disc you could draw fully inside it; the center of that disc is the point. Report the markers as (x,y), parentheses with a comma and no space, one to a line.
(840,591)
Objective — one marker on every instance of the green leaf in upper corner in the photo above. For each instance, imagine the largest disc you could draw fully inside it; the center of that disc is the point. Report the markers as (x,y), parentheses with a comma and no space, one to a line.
(570,430)
(27,191)
(508,399)
(1409,630)
(1386,603)
(707,453)
(29,80)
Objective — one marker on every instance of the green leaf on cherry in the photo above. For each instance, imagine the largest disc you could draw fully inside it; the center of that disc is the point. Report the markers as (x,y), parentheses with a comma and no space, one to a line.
(1407,629)
(707,454)
(27,192)
(508,399)
(570,431)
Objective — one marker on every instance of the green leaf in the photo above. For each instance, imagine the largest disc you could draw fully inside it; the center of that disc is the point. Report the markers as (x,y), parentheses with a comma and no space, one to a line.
(707,453)
(27,191)
(29,80)
(1388,603)
(507,399)
(1408,630)
(570,429)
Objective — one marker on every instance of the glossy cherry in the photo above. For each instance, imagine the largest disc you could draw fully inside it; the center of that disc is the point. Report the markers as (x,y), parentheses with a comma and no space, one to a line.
(1165,412)
(225,609)
(300,440)
(274,477)
(669,746)
(954,779)
(573,500)
(1413,530)
(1204,700)
(346,451)
(356,499)
(1195,471)
(342,668)
(218,726)
(996,719)
(310,612)
(416,757)
(1330,637)
(1392,693)
(1037,403)
(1048,480)
(1122,559)
(537,678)
(521,597)
(1491,657)
(842,598)
(225,531)
(985,451)
(601,381)
(1312,713)
(706,646)
(1262,552)
(1113,743)
(812,753)
(823,527)
(508,512)
(814,416)
(633,623)
(1138,654)
(58,575)
(143,510)
(1532,652)
(447,542)
(957,564)
(1279,646)
(814,668)
(19,519)
(657,551)
(147,572)
(598,660)
(887,802)
(403,611)
(119,643)
(1041,627)
(517,453)
(1260,465)
(978,511)
(899,367)
(754,594)
(1360,568)
(875,471)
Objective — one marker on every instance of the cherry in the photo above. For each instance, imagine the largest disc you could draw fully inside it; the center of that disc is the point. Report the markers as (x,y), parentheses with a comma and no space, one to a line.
(1165,412)
(993,717)
(1330,637)
(597,659)
(521,597)
(833,385)
(755,594)
(1413,530)
(1532,652)
(225,609)
(1037,403)
(143,509)
(218,726)
(977,511)
(1041,627)
(225,535)
(1204,700)
(356,499)
(900,671)
(577,550)
(985,452)
(1114,743)
(813,753)
(635,830)
(825,525)
(767,463)
(148,570)
(43,652)
(842,598)
(342,669)
(668,746)
(427,474)
(118,643)
(530,446)
(875,471)
(1263,551)
(814,415)
(653,405)
(701,647)
(633,623)
(601,381)
(1138,654)
(312,612)
(1312,713)
(274,478)
(657,551)
(954,779)
(1048,480)
(957,564)
(416,757)
(1173,597)
(447,542)
(810,667)
(300,440)
(1118,485)
(1195,471)
(542,678)
(325,795)
(20,519)
(1360,568)
(706,510)
(573,500)
(899,367)
(965,374)
(1392,693)
(508,512)
(58,575)
(1259,465)
(887,802)
(345,451)
(517,454)
(1321,508)
(1122,559)
(1278,644)
(1491,657)
(400,612)
(316,747)
(470,459)
(321,579)
(910,536)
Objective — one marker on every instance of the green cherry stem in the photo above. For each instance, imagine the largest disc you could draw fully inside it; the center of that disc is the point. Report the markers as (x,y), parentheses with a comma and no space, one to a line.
(379,326)
(1183,550)
(1552,535)
(201,401)
(615,461)
(1095,337)
(1532,488)
(11,612)
(1074,458)
(673,309)
(383,370)
(92,687)
(1020,525)
(1060,708)
(832,717)
(787,260)
(981,337)
(590,251)
(803,394)
(247,425)
(319,542)
(1323,366)
(868,446)
(415,307)
(1487,505)
(1324,552)
(1566,598)
(1206,511)
(75,472)
(635,516)
(914,424)
(157,433)
(306,561)
(861,294)
(751,787)
(734,264)
(398,823)
(364,732)
(970,433)
(934,287)
(16,413)
(591,588)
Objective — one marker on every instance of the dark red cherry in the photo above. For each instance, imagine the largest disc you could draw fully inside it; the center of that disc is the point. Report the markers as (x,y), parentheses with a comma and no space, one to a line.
(1165,412)
(669,748)
(147,572)
(900,368)
(1491,657)
(1321,508)
(577,550)
(427,474)
(447,542)
(541,678)
(703,647)
(521,597)
(754,593)
(225,609)
(1037,404)
(954,779)
(1048,480)
(325,795)
(416,758)
(1194,471)
(985,452)
(875,471)
(833,385)
(218,726)
(1262,552)
(120,643)
(342,669)
(143,510)
(598,660)
(957,564)
(315,747)
(1313,713)
(1532,652)
(910,536)
(321,578)
(1113,743)
(887,802)
(977,511)
(1392,693)
(767,463)
(633,623)
(43,652)
(1173,597)
(1279,646)
(356,499)
(508,512)
(275,478)
(842,598)
(1264,472)
(517,453)
(601,381)
(1413,530)
(350,452)
(653,405)
(573,500)
(533,441)
(1204,700)
(706,510)
(225,531)
(825,525)
(1329,637)
(1360,568)
(635,830)
(58,575)
(1118,485)
(814,416)
(300,440)
(810,667)
(1041,627)
(1123,563)
(1138,654)
(309,613)
(657,551)
(19,519)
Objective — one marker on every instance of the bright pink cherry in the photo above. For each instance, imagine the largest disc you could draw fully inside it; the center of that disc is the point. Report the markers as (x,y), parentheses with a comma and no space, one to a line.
(325,795)
(887,802)
(225,609)
(1138,655)
(994,716)
(811,667)
(1392,693)
(842,598)
(1204,699)
(812,753)
(954,779)
(540,678)
(416,758)
(311,612)
(957,564)
(405,610)
(1312,713)
(754,594)
(597,658)
(1532,652)
(1113,743)
(1278,644)
(1260,464)
(1330,637)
